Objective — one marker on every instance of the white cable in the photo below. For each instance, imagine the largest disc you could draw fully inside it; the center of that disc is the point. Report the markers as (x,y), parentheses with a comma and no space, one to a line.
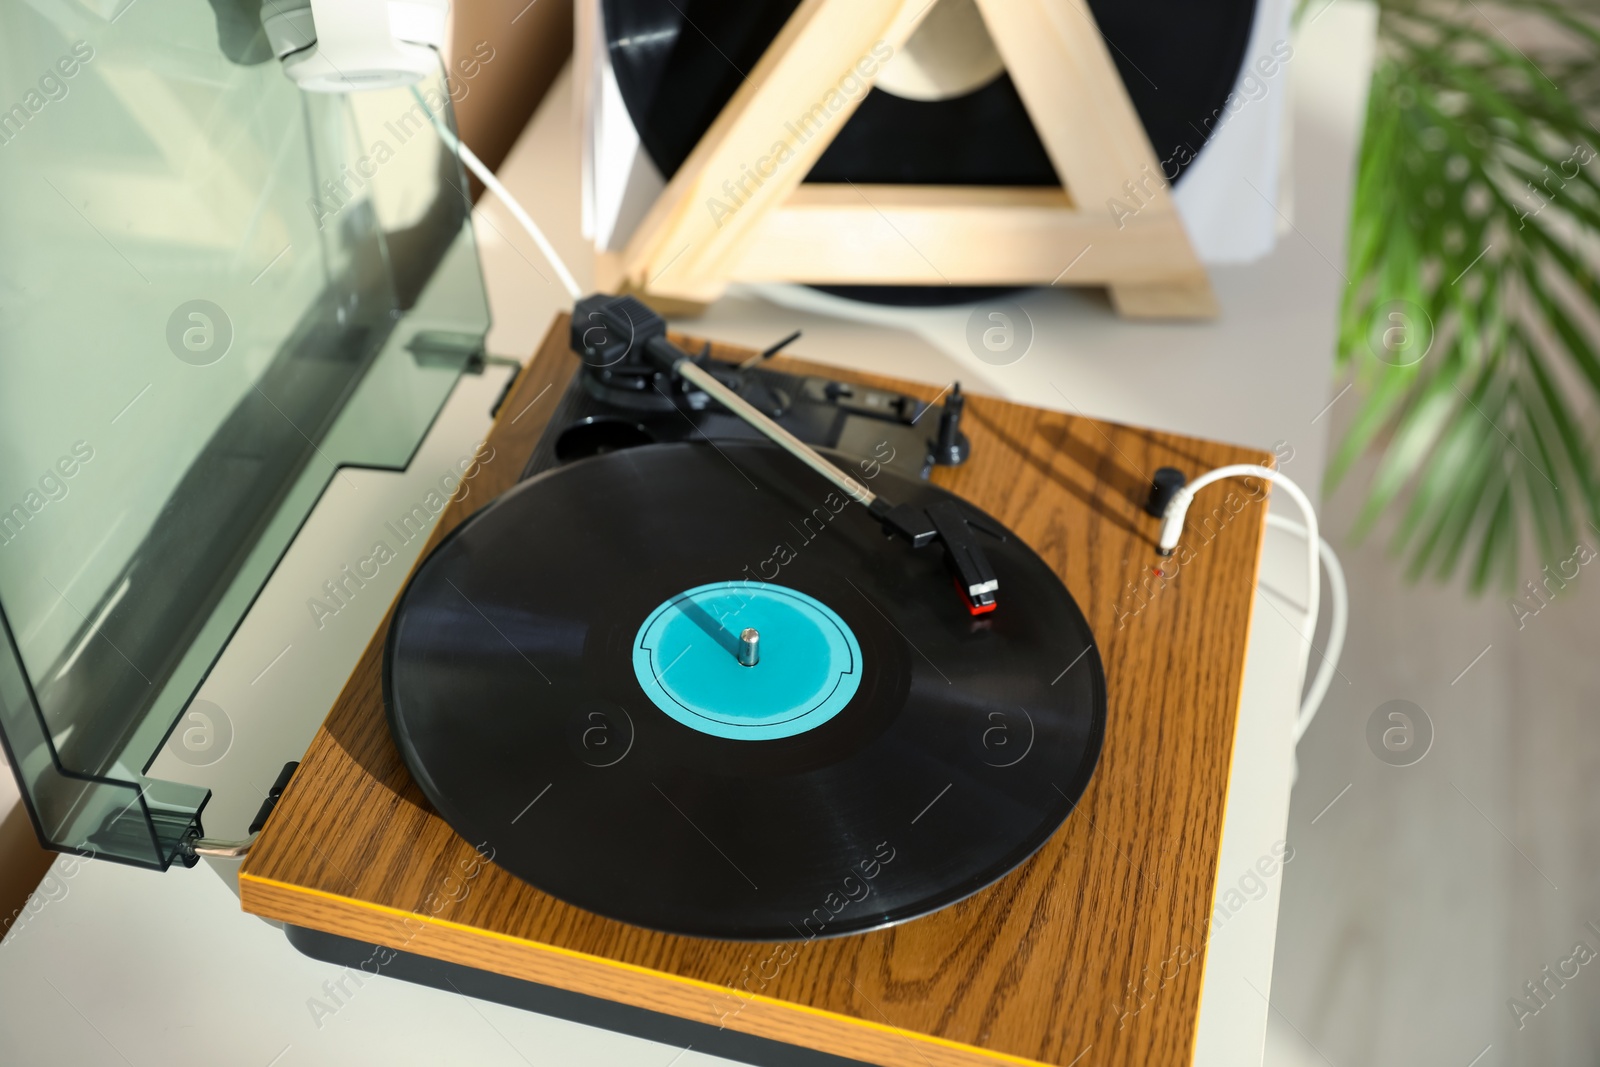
(1338,623)
(1316,549)
(486,176)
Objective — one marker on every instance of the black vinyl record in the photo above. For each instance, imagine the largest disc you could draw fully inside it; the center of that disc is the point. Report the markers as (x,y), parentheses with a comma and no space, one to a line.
(514,691)
(678,62)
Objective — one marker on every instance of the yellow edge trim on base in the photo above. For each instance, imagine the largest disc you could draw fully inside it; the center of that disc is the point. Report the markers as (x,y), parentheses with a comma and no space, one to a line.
(696,983)
(1233,762)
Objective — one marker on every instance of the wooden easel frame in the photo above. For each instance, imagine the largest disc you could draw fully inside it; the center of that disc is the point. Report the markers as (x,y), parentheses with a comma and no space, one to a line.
(737,211)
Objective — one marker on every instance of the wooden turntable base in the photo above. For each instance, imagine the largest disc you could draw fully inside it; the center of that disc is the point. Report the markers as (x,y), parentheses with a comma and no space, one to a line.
(1043,967)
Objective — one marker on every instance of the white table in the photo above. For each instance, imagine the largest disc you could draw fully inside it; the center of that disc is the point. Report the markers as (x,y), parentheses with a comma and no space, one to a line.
(119,966)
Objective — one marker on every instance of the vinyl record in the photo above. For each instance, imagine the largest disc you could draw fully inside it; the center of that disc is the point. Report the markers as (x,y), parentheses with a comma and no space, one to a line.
(678,62)
(562,679)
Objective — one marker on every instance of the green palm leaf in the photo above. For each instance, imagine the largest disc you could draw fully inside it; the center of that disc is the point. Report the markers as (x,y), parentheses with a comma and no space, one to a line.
(1474,228)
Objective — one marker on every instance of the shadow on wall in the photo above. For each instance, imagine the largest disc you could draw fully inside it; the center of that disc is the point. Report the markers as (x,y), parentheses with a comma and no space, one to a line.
(495,97)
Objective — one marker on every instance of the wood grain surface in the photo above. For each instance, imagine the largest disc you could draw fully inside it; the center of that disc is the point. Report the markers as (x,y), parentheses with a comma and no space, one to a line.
(1090,953)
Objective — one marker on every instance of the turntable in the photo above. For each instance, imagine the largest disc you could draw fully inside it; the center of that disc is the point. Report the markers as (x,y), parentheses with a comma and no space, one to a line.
(861,757)
(887,848)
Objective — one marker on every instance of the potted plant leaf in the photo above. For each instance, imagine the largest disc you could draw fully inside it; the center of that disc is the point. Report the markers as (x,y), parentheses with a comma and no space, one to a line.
(1470,321)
